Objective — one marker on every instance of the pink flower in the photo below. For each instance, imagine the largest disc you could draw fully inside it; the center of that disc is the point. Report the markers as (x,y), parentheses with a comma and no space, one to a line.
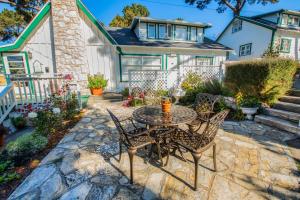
(68,77)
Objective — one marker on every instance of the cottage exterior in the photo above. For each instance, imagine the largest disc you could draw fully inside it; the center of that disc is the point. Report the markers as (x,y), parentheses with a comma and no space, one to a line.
(65,37)
(250,37)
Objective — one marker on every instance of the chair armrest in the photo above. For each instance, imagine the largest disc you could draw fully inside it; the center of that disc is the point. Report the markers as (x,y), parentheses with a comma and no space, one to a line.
(129,119)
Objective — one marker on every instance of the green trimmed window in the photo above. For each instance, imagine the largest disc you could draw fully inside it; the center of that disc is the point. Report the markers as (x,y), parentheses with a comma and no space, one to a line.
(245,50)
(204,61)
(151,32)
(162,31)
(285,45)
(139,62)
(237,25)
(181,33)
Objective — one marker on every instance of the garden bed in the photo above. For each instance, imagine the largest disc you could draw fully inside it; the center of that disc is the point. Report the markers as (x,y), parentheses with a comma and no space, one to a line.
(19,173)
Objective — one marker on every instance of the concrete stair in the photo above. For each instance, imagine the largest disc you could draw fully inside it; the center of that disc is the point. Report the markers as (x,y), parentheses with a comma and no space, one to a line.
(285,114)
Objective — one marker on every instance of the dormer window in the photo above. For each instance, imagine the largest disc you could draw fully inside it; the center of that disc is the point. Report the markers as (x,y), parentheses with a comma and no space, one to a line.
(151,31)
(237,26)
(181,33)
(162,31)
(293,21)
(193,34)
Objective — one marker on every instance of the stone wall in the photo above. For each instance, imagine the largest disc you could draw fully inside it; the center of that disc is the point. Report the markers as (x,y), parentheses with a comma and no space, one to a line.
(69,46)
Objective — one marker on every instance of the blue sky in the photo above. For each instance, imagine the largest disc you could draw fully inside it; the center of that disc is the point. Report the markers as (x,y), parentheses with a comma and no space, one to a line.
(105,10)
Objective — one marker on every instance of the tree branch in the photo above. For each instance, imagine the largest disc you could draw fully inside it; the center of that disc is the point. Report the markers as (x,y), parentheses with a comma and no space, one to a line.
(229,5)
(37,8)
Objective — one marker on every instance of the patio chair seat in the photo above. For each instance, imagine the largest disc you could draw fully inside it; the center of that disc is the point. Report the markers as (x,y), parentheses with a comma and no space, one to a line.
(141,140)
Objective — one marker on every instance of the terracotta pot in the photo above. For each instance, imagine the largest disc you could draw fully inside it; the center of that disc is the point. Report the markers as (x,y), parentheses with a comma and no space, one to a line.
(1,139)
(97,91)
(166,107)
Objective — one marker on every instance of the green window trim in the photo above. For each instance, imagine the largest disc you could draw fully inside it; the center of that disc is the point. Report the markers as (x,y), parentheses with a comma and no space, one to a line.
(148,24)
(289,45)
(210,57)
(244,45)
(136,54)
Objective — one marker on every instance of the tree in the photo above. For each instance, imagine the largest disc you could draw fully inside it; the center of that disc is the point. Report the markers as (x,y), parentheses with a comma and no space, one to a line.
(14,21)
(235,5)
(129,12)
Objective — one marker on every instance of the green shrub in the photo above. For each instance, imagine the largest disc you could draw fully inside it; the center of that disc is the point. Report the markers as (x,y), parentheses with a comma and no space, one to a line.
(192,81)
(8,177)
(216,87)
(19,122)
(136,102)
(97,81)
(266,79)
(125,92)
(47,123)
(249,102)
(71,105)
(190,95)
(25,146)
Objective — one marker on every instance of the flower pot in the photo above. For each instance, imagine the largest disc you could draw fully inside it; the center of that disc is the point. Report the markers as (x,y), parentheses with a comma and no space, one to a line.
(97,91)
(166,107)
(249,112)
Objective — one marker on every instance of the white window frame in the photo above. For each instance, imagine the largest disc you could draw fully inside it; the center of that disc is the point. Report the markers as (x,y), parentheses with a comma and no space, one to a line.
(281,45)
(153,35)
(193,38)
(164,28)
(176,33)
(204,61)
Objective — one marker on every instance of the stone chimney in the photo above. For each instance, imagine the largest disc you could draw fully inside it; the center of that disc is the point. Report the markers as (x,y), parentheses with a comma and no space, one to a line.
(69,45)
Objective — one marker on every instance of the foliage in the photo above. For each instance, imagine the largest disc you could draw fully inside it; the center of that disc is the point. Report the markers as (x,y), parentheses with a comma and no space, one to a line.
(191,82)
(266,79)
(97,81)
(47,123)
(12,24)
(19,122)
(8,177)
(237,115)
(216,87)
(271,53)
(190,95)
(236,6)
(136,102)
(3,130)
(14,21)
(129,12)
(249,102)
(71,105)
(125,92)
(25,146)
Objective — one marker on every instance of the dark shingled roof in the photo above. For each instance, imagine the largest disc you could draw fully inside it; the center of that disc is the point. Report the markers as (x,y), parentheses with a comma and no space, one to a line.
(125,36)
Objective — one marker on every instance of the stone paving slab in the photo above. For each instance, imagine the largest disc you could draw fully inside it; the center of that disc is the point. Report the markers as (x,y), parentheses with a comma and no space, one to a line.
(253,163)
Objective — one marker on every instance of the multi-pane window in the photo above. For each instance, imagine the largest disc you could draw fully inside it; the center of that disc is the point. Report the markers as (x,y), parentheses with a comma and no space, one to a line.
(139,63)
(237,26)
(181,33)
(285,45)
(16,64)
(193,34)
(162,31)
(151,31)
(245,49)
(293,21)
(204,61)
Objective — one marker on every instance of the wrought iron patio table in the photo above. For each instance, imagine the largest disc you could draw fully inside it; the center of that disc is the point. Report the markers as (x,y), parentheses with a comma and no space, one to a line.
(153,116)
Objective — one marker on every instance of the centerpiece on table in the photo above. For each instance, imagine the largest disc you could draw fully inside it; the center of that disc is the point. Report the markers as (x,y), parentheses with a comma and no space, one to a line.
(166,103)
(97,84)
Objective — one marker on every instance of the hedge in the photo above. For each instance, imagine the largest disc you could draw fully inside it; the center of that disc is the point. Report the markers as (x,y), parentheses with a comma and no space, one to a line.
(266,79)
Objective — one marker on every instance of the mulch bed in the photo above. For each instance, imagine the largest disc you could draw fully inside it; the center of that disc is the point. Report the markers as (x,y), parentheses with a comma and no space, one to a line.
(25,170)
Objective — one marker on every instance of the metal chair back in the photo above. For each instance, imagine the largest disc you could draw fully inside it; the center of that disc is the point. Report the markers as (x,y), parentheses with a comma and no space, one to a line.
(205,102)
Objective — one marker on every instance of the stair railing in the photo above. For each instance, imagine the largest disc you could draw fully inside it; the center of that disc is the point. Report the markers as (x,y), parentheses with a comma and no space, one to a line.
(7,101)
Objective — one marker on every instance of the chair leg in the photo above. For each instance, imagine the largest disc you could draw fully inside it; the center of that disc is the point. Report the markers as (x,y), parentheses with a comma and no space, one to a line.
(120,150)
(196,161)
(151,151)
(215,156)
(131,153)
(159,154)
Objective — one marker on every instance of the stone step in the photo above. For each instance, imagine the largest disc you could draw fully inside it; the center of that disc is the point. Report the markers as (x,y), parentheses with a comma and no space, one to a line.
(295,92)
(297,83)
(291,107)
(290,99)
(278,123)
(291,116)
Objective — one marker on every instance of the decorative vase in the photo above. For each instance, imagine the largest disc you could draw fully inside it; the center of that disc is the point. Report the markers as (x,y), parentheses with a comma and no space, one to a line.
(166,105)
(249,112)
(97,91)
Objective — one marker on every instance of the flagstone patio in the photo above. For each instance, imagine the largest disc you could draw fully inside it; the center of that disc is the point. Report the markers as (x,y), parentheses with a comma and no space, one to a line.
(253,161)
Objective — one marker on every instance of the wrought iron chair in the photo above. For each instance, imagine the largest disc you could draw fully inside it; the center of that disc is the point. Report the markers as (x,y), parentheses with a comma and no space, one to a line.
(135,139)
(204,106)
(196,144)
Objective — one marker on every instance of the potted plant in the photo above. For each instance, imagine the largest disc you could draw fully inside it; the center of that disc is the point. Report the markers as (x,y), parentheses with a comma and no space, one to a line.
(97,83)
(249,106)
(3,132)
(166,103)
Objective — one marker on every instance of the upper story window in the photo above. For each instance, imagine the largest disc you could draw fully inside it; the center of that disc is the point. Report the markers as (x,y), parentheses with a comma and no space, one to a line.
(245,49)
(193,34)
(181,33)
(285,45)
(290,20)
(151,31)
(162,31)
(237,26)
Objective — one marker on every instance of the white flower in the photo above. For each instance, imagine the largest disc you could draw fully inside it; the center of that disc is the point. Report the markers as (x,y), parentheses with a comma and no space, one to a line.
(32,115)
(56,110)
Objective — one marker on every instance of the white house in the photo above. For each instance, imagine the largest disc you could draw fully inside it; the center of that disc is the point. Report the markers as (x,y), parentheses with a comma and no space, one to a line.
(250,37)
(65,37)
